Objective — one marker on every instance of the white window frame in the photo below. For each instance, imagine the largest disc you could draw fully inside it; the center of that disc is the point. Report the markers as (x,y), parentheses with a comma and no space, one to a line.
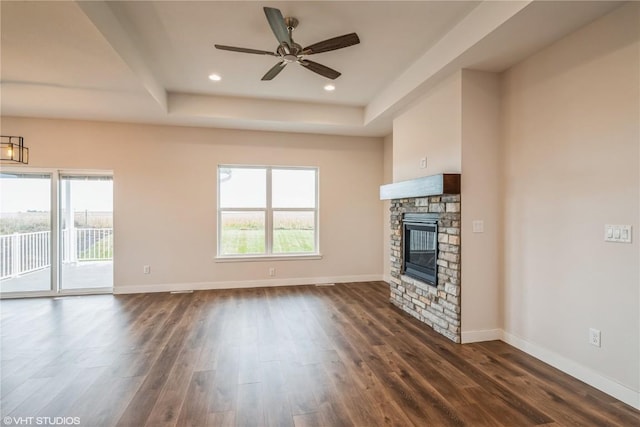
(269,212)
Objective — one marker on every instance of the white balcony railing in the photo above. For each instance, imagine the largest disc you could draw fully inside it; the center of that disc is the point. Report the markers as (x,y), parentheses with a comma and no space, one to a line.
(22,253)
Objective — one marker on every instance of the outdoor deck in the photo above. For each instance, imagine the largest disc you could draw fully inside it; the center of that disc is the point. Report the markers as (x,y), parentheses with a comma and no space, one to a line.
(81,275)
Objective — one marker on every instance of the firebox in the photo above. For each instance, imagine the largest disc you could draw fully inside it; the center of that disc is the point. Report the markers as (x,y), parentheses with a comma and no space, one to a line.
(420,249)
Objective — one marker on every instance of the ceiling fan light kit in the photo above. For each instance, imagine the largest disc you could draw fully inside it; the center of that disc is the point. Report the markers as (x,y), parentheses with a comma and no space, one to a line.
(289,51)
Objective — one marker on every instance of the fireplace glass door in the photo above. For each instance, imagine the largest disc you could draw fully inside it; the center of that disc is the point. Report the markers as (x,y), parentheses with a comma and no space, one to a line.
(421,249)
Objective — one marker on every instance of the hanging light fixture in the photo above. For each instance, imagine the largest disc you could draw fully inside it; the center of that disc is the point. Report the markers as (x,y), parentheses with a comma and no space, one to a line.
(12,149)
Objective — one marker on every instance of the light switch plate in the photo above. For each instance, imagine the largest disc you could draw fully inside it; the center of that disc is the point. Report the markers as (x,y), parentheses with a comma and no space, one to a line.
(617,233)
(478,226)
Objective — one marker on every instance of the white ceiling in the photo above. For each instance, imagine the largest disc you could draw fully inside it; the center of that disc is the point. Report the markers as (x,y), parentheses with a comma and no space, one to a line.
(149,61)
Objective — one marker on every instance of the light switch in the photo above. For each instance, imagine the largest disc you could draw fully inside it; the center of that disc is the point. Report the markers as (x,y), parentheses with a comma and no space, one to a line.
(617,233)
(478,226)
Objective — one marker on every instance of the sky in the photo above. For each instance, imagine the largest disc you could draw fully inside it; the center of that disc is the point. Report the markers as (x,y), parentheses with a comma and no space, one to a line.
(291,188)
(22,194)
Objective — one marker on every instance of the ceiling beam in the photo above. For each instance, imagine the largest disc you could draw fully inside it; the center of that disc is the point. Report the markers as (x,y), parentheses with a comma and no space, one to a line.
(118,34)
(440,60)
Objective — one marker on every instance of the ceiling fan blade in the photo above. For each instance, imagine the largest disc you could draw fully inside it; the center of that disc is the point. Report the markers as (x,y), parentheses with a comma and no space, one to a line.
(274,71)
(332,44)
(323,70)
(244,50)
(279,28)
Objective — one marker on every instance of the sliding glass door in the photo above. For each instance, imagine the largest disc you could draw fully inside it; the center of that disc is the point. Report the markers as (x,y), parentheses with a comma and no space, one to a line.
(25,233)
(86,232)
(56,233)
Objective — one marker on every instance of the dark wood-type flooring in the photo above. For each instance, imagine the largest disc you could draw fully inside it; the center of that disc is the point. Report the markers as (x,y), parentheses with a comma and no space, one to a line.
(289,356)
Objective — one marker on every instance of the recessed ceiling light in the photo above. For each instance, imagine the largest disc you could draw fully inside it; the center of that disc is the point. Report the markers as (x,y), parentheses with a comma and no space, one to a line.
(214,77)
(329,87)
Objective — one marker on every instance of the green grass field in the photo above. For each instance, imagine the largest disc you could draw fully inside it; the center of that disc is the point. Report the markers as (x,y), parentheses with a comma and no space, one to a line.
(245,242)
(243,233)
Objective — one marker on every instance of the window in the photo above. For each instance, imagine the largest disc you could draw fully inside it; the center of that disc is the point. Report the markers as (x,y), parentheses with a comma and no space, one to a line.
(267,211)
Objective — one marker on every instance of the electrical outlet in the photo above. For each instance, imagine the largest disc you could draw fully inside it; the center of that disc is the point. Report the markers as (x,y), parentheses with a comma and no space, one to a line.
(272,271)
(478,226)
(594,337)
(146,269)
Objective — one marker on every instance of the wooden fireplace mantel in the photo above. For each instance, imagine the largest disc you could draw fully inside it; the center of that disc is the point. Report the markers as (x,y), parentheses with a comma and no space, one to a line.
(433,185)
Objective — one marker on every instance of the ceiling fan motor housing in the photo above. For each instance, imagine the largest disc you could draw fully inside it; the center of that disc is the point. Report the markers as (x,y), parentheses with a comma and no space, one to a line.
(291,23)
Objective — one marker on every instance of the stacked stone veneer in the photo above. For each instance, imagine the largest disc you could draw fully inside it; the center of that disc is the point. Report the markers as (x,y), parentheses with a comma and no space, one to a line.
(438,307)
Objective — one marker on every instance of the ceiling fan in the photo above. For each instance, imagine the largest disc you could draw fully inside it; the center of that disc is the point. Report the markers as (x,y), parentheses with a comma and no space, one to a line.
(289,51)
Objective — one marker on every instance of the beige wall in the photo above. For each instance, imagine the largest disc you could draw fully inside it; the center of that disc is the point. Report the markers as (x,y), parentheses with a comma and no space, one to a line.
(480,197)
(571,155)
(165,198)
(431,127)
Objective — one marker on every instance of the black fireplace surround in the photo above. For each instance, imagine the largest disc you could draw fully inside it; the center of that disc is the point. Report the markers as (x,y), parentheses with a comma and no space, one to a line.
(420,247)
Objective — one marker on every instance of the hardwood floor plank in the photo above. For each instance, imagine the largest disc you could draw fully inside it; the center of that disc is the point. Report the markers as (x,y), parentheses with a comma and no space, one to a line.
(286,356)
(45,394)
(332,409)
(64,401)
(195,408)
(21,393)
(299,389)
(311,419)
(250,410)
(224,394)
(273,389)
(221,419)
(106,400)
(167,408)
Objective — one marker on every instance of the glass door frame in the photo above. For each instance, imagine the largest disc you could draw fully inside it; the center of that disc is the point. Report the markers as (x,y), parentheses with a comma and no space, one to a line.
(55,225)
(77,291)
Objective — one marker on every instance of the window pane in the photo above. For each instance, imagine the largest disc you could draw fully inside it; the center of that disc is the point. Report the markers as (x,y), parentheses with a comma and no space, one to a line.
(293,232)
(242,187)
(294,188)
(25,233)
(86,222)
(242,233)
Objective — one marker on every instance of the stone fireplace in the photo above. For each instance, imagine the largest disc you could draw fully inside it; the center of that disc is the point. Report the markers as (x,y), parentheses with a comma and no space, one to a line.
(436,304)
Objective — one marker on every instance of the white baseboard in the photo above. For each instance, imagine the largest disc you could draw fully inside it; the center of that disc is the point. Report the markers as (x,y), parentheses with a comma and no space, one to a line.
(479,336)
(386,278)
(240,284)
(587,375)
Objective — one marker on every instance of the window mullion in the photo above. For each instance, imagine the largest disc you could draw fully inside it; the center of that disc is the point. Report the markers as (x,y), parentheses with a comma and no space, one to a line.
(241,209)
(55,243)
(269,219)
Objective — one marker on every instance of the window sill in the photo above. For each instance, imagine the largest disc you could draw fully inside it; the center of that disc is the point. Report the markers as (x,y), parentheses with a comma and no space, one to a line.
(256,258)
